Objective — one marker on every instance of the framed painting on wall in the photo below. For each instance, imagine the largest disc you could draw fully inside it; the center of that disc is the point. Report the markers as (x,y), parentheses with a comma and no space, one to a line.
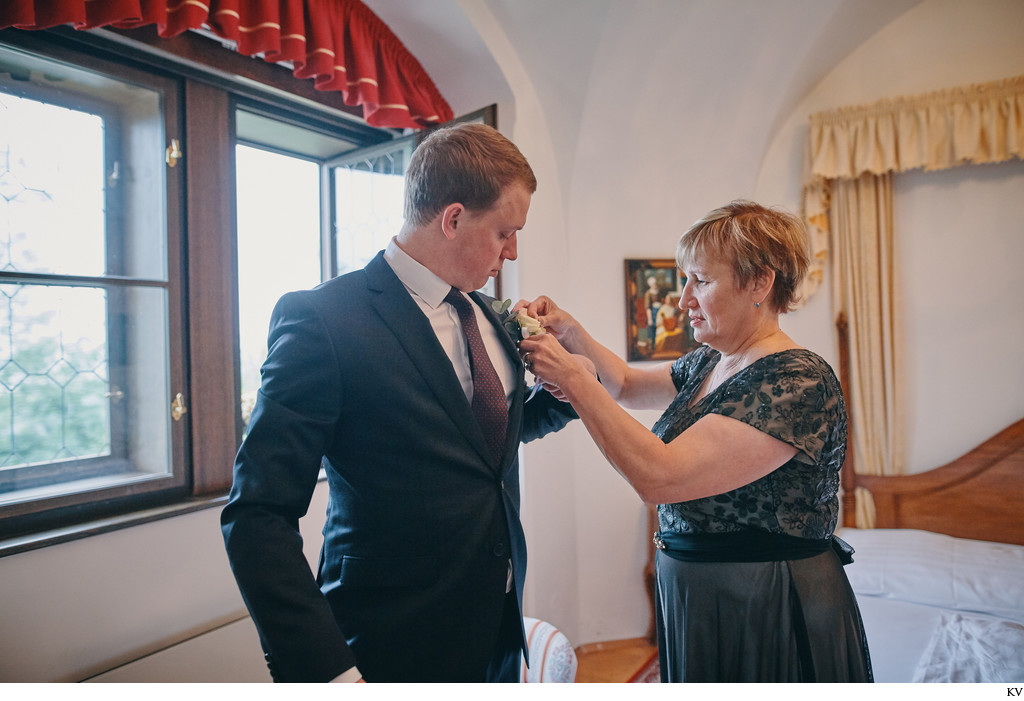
(655,327)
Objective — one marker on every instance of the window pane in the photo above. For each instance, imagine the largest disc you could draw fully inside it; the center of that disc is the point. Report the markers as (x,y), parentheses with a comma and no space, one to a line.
(85,364)
(54,374)
(85,168)
(83,388)
(368,201)
(279,247)
(369,206)
(40,191)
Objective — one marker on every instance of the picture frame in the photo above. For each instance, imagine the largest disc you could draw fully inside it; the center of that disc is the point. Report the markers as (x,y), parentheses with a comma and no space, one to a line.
(656,329)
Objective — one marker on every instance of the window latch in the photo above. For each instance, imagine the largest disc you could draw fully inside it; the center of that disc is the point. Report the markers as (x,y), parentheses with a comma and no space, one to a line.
(173,153)
(178,408)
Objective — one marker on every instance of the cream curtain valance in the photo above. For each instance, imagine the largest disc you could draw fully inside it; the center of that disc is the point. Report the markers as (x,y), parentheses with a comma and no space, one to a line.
(981,123)
(974,124)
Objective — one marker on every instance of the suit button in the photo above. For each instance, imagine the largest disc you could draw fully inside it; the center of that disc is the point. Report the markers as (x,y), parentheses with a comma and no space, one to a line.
(502,485)
(499,550)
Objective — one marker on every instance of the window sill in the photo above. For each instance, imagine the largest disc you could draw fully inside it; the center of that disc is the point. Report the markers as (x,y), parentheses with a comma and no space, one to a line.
(34,541)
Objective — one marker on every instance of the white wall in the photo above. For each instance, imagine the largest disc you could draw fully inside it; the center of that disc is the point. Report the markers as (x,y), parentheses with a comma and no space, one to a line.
(964,321)
(78,609)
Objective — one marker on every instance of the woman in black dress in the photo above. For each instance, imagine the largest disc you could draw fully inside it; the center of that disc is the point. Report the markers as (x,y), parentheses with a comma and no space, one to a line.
(743,464)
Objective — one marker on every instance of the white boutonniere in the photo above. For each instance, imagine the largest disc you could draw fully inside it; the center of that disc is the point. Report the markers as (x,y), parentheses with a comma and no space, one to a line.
(519,325)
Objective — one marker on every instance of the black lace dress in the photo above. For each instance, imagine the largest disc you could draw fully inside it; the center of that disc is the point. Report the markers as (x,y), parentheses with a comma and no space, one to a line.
(778,621)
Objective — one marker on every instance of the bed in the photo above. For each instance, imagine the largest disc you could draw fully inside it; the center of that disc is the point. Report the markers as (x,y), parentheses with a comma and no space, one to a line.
(940,580)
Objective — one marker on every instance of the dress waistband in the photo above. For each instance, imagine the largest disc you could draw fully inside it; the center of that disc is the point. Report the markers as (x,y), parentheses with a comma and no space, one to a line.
(747,546)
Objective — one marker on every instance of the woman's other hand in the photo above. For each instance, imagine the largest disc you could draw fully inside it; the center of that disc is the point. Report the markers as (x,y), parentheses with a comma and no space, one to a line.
(552,364)
(555,391)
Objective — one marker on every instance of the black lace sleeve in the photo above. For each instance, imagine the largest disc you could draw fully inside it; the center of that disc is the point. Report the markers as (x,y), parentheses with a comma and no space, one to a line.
(683,368)
(793,397)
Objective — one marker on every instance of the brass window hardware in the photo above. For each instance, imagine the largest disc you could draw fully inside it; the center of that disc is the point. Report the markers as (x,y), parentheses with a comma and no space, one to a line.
(178,408)
(173,153)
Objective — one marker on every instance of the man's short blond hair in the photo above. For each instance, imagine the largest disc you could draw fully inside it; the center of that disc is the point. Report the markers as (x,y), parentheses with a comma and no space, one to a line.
(469,163)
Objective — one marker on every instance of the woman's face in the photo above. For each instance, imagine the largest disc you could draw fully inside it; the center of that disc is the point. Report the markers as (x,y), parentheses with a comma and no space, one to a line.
(720,314)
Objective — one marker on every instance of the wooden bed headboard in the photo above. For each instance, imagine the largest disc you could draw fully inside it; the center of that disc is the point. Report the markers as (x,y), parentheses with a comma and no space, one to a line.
(979,495)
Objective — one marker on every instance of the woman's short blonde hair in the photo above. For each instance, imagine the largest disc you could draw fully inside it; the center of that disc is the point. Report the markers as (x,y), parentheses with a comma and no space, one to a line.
(753,239)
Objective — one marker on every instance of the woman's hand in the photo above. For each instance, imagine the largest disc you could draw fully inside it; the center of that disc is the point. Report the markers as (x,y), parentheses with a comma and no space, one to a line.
(555,320)
(555,391)
(552,365)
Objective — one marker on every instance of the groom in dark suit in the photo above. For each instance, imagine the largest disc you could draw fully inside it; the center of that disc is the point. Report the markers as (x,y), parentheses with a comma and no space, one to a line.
(411,395)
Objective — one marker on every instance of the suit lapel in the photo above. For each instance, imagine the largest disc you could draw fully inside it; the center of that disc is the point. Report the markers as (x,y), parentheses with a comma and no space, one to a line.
(400,313)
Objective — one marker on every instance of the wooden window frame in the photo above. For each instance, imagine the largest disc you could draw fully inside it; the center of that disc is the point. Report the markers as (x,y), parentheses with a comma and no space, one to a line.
(55,511)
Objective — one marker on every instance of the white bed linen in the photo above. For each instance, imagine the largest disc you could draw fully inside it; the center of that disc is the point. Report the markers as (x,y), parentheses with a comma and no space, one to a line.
(939,570)
(938,608)
(967,649)
(898,634)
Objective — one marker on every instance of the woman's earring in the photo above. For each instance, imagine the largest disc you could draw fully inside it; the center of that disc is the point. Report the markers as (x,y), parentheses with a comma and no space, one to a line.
(757,305)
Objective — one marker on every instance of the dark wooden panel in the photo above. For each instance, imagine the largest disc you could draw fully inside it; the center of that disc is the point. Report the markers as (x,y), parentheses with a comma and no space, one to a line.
(212,288)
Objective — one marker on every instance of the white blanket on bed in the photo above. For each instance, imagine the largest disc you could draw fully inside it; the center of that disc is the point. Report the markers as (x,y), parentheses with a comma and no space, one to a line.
(937,608)
(971,649)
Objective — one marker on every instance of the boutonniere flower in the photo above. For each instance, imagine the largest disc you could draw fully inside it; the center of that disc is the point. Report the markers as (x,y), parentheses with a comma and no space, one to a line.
(519,325)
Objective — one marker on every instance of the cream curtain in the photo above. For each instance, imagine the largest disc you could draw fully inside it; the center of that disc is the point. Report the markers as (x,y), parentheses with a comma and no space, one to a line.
(848,206)
(866,278)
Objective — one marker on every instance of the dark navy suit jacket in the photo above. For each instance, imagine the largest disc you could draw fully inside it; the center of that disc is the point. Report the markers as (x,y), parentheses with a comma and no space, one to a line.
(422,519)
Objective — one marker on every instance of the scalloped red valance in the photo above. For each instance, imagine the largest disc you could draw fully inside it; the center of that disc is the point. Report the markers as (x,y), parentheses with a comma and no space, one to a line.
(341,44)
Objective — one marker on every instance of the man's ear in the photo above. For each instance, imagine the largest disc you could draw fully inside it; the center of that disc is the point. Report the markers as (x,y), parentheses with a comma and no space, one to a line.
(450,220)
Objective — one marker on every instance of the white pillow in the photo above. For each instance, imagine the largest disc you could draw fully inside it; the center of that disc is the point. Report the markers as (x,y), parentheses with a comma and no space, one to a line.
(938,570)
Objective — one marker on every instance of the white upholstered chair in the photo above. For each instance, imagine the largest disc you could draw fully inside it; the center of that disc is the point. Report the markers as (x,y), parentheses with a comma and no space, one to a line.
(552,658)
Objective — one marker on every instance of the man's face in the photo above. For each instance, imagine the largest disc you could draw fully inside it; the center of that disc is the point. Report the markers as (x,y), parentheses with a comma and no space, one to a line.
(487,238)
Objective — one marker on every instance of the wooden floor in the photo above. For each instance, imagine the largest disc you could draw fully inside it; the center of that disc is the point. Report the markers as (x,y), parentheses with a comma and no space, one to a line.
(613,661)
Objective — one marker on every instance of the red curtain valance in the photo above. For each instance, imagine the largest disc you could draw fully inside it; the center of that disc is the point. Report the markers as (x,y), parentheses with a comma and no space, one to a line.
(341,44)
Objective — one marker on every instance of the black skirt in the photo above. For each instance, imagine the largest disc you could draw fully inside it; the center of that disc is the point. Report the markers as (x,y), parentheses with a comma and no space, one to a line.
(781,621)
